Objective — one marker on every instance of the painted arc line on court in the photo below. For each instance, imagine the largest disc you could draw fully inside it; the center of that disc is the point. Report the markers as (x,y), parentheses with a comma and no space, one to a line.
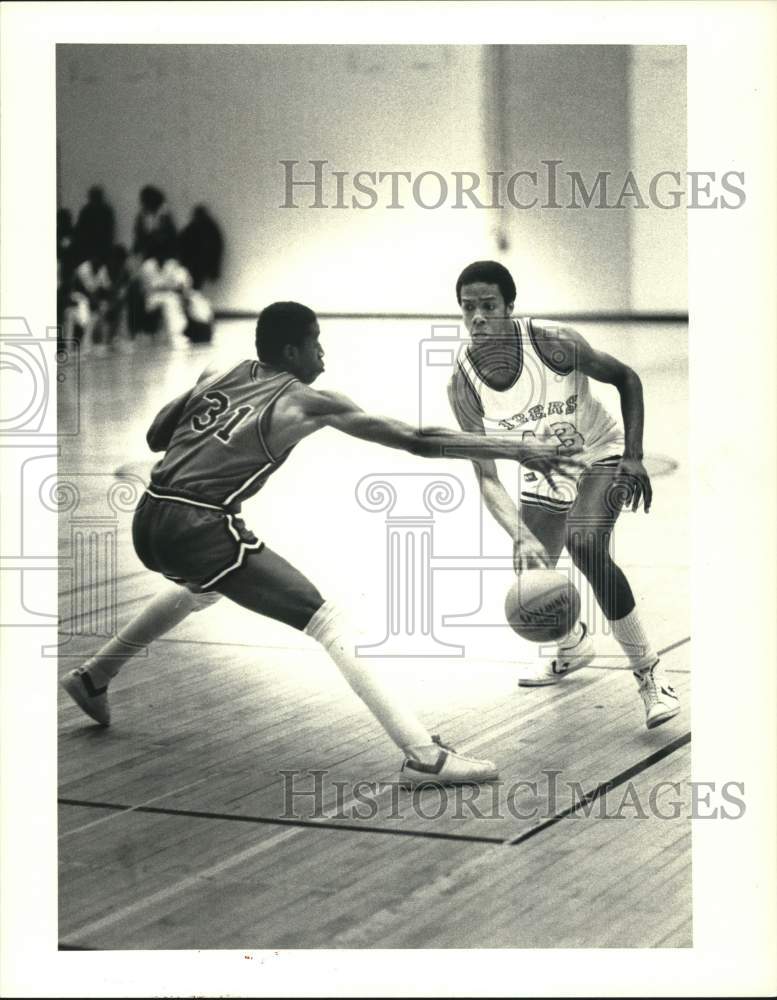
(606,786)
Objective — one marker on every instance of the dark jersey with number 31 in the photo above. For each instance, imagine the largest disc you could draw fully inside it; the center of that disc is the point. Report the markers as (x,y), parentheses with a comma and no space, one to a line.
(218,452)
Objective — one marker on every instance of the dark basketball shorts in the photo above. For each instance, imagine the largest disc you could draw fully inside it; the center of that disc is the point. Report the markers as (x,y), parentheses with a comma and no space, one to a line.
(190,542)
(559,496)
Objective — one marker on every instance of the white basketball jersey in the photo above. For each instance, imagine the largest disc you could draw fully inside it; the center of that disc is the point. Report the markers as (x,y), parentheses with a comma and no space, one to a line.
(549,404)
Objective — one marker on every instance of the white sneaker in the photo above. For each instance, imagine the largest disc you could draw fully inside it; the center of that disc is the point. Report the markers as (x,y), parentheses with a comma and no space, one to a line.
(93,701)
(661,702)
(450,768)
(566,661)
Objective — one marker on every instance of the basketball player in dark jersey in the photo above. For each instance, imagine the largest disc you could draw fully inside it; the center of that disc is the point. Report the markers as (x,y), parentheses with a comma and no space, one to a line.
(222,440)
(531,378)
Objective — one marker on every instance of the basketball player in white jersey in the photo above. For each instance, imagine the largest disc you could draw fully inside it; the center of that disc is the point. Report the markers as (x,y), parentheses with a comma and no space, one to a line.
(531,378)
(222,440)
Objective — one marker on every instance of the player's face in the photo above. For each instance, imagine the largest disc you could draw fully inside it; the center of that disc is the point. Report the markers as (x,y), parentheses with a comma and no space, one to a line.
(485,312)
(309,361)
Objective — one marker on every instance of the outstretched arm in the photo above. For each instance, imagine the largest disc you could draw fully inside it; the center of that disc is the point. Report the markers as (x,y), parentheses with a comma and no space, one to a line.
(307,410)
(527,549)
(605,368)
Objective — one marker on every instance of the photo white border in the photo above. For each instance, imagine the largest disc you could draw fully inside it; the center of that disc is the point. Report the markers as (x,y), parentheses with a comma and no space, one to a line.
(732,268)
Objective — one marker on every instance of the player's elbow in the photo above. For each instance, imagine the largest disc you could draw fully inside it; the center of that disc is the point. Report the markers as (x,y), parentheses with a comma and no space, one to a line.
(417,443)
(627,379)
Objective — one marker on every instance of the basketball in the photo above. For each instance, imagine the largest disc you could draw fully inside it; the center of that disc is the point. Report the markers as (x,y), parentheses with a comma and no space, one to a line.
(542,605)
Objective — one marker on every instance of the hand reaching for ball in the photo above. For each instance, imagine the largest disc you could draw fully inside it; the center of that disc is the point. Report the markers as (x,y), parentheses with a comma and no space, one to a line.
(529,553)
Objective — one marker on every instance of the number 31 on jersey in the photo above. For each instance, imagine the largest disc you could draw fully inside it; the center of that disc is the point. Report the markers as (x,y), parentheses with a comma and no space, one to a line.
(217,410)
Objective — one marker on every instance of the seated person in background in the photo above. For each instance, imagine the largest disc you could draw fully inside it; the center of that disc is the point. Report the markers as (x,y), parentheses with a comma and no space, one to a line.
(163,285)
(201,247)
(118,276)
(154,224)
(65,262)
(87,303)
(95,227)
(199,315)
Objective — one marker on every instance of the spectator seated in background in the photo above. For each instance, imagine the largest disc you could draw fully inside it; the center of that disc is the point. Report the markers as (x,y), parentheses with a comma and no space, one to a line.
(162,286)
(201,247)
(154,226)
(95,228)
(199,314)
(118,276)
(65,262)
(96,299)
(87,303)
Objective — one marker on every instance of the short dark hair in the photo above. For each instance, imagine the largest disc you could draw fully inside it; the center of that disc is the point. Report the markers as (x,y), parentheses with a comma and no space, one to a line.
(490,272)
(279,324)
(151,198)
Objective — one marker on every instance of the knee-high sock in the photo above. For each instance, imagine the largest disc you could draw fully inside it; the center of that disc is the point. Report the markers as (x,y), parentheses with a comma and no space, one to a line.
(329,626)
(634,642)
(162,613)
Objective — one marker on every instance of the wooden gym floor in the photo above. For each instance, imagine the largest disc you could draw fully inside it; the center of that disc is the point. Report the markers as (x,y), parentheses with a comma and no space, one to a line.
(178,826)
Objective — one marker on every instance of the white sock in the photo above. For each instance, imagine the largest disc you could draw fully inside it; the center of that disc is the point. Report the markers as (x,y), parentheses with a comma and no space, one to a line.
(635,644)
(572,638)
(330,627)
(162,613)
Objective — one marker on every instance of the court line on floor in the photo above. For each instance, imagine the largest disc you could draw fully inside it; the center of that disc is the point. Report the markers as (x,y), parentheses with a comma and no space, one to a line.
(264,645)
(295,827)
(493,732)
(605,787)
(624,669)
(668,649)
(128,809)
(302,824)
(95,926)
(639,316)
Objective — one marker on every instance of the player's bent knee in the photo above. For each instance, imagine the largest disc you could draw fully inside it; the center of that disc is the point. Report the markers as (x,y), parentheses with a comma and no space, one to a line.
(308,606)
(588,550)
(204,599)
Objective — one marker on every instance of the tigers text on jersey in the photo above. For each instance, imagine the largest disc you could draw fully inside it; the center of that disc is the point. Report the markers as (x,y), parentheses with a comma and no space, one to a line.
(545,402)
(218,453)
